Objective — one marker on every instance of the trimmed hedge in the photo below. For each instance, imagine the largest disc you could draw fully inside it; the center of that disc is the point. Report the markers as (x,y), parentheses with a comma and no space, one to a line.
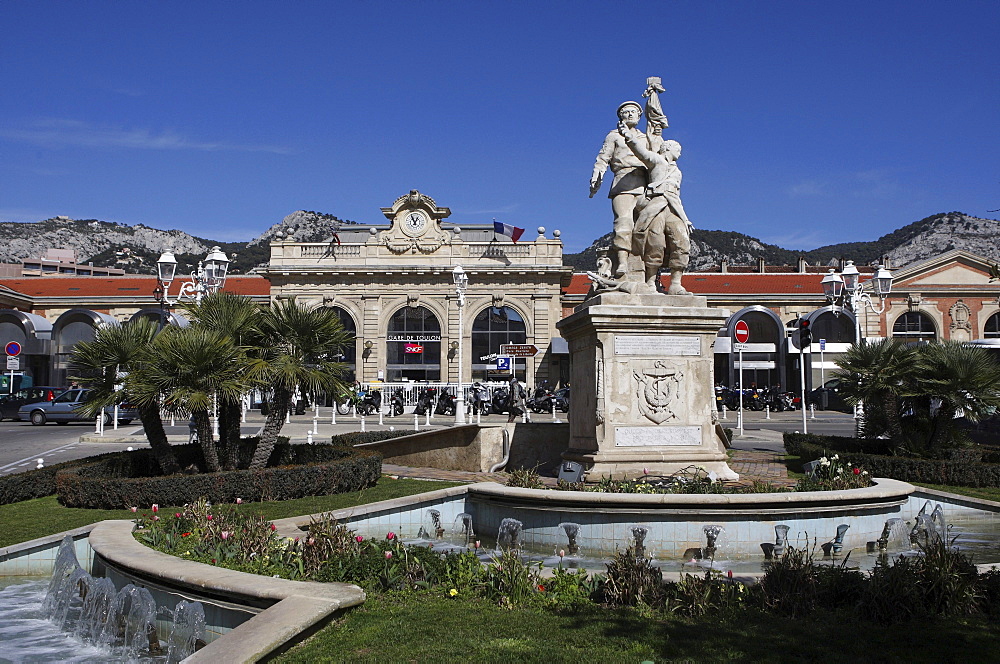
(128,479)
(38,483)
(962,469)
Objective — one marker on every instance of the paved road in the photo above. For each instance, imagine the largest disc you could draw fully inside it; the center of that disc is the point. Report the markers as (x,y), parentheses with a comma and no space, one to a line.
(22,444)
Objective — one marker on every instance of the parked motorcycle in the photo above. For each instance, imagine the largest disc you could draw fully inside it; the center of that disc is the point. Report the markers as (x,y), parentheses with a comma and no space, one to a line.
(396,403)
(425,400)
(541,401)
(446,404)
(479,403)
(370,403)
(499,402)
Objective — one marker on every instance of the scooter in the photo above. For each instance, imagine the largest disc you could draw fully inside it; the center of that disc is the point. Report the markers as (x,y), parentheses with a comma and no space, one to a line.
(446,404)
(396,403)
(370,403)
(425,400)
(479,404)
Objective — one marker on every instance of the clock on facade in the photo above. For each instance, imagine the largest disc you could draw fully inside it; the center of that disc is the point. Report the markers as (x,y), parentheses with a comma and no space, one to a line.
(414,223)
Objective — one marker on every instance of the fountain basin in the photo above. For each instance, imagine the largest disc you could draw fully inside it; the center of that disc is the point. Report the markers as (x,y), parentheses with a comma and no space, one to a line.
(248,617)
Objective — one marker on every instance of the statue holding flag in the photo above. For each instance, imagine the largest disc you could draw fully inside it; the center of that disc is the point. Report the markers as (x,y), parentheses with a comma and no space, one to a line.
(651,226)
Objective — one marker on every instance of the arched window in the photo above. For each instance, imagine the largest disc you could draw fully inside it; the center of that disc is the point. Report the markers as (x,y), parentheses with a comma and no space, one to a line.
(835,329)
(349,351)
(992,329)
(413,345)
(914,327)
(493,327)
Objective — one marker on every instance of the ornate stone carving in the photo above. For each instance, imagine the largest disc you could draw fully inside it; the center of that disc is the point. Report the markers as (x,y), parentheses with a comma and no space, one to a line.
(913,301)
(657,388)
(413,300)
(497,300)
(960,314)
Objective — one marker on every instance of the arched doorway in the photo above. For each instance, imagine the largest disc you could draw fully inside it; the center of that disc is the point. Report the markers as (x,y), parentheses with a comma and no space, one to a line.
(350,352)
(71,328)
(914,327)
(763,359)
(413,345)
(34,333)
(493,327)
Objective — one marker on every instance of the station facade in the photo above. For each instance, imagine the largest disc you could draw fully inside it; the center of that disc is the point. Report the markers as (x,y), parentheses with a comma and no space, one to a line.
(392,286)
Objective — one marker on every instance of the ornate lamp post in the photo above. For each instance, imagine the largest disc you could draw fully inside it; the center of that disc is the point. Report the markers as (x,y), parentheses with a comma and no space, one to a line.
(847,290)
(461,284)
(209,278)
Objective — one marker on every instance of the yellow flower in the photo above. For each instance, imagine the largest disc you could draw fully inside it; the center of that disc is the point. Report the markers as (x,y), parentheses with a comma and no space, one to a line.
(452,592)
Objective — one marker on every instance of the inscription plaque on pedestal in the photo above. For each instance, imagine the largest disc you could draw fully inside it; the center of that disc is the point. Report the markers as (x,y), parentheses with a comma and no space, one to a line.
(672,436)
(658,345)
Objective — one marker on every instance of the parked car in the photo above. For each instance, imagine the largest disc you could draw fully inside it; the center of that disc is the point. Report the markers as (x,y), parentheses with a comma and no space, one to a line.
(62,409)
(829,395)
(10,403)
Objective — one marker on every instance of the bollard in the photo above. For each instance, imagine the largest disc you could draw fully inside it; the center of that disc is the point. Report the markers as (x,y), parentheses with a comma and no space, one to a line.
(288,417)
(97,423)
(172,420)
(362,423)
(812,411)
(767,412)
(428,422)
(333,414)
(524,416)
(380,417)
(309,438)
(416,422)
(723,411)
(479,415)
(114,421)
(315,430)
(555,418)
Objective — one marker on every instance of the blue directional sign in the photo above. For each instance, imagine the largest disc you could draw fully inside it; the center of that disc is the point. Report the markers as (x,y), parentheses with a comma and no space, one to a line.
(822,344)
(504,364)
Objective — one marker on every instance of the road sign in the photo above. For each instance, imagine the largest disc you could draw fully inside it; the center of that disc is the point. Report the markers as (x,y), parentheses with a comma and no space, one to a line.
(504,364)
(12,348)
(518,350)
(822,344)
(742,332)
(740,347)
(13,363)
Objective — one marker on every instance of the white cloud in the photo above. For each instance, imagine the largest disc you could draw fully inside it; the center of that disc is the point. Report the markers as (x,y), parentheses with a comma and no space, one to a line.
(808,188)
(61,132)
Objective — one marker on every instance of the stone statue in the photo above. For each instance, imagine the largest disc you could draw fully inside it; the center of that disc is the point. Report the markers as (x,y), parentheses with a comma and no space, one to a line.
(627,187)
(650,222)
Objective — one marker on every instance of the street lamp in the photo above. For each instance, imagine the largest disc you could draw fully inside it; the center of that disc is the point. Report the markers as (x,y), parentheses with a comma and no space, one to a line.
(209,278)
(847,290)
(461,284)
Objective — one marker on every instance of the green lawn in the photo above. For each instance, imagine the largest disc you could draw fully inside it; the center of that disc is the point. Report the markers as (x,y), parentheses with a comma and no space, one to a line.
(45,516)
(985,493)
(425,628)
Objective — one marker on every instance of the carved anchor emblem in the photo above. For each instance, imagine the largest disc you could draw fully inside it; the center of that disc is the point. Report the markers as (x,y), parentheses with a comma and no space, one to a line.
(657,388)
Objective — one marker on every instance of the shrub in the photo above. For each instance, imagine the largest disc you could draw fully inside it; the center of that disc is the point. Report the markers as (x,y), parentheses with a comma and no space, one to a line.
(525,478)
(790,585)
(931,471)
(633,580)
(39,483)
(129,478)
(510,582)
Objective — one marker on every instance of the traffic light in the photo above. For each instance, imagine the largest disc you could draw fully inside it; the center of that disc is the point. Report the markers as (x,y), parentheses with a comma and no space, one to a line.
(805,334)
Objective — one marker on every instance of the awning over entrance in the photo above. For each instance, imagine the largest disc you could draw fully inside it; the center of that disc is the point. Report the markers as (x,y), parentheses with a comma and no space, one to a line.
(558,346)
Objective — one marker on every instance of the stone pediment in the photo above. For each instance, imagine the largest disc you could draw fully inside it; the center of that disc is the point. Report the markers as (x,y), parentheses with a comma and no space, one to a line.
(416,225)
(953,275)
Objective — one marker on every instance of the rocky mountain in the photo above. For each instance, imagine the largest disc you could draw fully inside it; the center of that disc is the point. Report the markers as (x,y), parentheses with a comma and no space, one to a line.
(136,248)
(920,240)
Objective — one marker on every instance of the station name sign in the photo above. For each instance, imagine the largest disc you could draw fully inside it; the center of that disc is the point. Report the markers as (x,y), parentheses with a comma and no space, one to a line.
(413,338)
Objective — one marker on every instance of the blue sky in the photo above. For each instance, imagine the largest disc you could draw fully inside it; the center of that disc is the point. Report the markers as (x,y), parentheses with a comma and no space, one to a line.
(802,123)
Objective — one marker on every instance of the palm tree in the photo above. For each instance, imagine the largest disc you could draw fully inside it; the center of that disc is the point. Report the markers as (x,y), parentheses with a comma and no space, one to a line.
(237,317)
(964,379)
(192,367)
(97,363)
(878,373)
(296,350)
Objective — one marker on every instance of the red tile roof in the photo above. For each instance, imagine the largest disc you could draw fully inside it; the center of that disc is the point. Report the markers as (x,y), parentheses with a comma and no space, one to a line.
(134,285)
(733,284)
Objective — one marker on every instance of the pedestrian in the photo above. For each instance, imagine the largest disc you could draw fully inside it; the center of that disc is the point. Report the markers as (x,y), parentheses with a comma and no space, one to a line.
(516,396)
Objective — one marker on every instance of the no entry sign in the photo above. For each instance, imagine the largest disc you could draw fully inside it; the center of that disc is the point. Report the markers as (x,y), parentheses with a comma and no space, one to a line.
(742,332)
(12,348)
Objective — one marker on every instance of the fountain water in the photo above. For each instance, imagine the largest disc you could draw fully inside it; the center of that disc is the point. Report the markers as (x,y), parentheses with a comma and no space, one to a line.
(120,621)
(509,535)
(463,527)
(895,535)
(780,541)
(571,530)
(639,533)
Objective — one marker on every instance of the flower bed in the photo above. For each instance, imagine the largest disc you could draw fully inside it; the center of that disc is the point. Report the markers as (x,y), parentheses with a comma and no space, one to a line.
(957,471)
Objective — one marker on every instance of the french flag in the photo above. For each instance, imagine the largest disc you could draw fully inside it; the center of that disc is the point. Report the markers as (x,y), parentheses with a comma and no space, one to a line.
(513,232)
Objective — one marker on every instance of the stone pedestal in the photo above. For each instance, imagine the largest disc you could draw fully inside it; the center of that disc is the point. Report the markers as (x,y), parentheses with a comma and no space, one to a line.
(643,390)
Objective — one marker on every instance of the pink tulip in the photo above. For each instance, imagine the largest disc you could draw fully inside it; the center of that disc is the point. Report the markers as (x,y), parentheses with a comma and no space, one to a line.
(156,508)
(388,555)
(239,501)
(177,515)
(562,553)
(310,541)
(390,535)
(359,539)
(477,545)
(156,518)
(134,509)
(225,534)
(209,517)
